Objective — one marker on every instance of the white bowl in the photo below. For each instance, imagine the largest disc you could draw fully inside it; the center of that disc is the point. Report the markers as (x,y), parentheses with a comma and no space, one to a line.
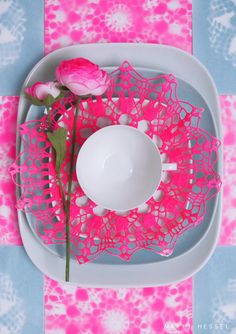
(119,167)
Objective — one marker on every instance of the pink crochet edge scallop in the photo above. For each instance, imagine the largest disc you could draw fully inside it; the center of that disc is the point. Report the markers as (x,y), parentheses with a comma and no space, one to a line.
(179,203)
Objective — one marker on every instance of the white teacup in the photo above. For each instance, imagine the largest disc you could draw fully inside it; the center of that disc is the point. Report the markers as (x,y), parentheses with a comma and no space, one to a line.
(120,168)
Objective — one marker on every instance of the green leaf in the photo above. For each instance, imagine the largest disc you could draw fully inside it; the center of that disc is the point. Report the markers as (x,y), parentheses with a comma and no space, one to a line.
(58,140)
(49,100)
(34,100)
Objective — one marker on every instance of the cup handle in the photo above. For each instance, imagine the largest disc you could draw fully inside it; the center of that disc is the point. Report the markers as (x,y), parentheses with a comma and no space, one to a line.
(169,166)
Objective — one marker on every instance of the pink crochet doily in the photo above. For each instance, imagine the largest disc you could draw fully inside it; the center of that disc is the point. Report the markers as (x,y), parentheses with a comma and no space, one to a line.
(179,203)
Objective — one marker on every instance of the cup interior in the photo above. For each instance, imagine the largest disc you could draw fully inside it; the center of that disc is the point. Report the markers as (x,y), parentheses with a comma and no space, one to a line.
(119,167)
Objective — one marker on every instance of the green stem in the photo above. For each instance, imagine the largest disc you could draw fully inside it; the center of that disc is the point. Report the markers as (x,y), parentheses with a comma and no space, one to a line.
(49,116)
(67,273)
(62,194)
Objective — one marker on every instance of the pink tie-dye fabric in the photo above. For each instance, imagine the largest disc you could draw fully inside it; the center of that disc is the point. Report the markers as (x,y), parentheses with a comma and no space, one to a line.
(74,310)
(9,233)
(228,229)
(98,21)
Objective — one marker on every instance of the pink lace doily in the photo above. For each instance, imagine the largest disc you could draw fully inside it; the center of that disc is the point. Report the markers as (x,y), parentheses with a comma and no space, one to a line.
(179,203)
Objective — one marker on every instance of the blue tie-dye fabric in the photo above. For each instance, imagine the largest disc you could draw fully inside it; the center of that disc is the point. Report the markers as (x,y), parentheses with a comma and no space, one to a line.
(214,40)
(214,293)
(21,293)
(21,41)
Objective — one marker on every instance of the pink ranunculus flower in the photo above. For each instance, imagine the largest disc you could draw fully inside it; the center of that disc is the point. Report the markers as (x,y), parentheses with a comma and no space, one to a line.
(40,90)
(82,77)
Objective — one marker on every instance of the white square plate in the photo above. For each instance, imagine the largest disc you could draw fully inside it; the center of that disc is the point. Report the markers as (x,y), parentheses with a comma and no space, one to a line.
(193,248)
